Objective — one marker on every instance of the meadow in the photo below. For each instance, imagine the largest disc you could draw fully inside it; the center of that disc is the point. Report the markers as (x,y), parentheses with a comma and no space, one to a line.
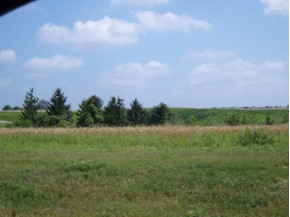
(145,171)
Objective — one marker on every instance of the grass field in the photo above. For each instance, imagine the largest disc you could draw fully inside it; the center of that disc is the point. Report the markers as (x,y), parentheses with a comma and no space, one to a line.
(145,171)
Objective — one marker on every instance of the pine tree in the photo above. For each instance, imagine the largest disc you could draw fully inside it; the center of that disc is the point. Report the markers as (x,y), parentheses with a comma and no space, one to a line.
(29,111)
(115,113)
(57,106)
(136,114)
(90,112)
(160,114)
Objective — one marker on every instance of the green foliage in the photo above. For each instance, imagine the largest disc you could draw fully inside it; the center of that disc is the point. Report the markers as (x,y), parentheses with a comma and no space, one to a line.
(29,111)
(136,114)
(90,113)
(160,114)
(269,120)
(16,108)
(192,121)
(6,107)
(24,123)
(214,116)
(232,120)
(58,107)
(57,121)
(255,137)
(115,113)
(42,104)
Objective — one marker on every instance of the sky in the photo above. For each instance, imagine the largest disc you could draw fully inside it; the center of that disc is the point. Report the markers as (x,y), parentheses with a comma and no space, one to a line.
(200,53)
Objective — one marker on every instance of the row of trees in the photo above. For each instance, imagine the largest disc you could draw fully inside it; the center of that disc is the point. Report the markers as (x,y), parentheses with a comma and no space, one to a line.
(91,112)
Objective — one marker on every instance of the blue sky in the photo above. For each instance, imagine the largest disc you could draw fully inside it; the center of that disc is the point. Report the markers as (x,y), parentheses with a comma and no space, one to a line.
(201,53)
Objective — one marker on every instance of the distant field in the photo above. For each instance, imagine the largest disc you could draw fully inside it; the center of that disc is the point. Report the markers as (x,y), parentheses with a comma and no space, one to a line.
(205,117)
(217,116)
(145,171)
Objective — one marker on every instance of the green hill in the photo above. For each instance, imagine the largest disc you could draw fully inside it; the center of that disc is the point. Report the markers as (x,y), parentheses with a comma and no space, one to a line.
(245,116)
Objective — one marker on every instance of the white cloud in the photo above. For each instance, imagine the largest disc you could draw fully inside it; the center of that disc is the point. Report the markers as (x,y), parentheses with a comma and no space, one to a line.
(237,83)
(113,32)
(58,62)
(276,7)
(237,73)
(148,3)
(135,74)
(107,31)
(7,56)
(150,21)
(210,54)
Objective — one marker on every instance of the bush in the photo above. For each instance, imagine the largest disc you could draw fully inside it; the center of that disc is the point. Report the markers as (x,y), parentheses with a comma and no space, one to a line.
(24,123)
(255,137)
(192,121)
(269,120)
(232,120)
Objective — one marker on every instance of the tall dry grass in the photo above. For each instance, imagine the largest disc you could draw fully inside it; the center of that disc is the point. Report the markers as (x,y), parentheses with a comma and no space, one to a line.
(168,129)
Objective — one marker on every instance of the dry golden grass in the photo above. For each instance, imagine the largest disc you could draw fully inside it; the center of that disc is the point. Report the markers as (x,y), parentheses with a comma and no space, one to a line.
(169,129)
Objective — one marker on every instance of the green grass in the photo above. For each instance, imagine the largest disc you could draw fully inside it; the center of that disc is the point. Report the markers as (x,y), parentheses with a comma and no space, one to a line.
(217,116)
(161,171)
(9,115)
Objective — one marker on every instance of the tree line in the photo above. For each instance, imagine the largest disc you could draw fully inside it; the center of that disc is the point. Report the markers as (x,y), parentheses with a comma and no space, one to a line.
(91,112)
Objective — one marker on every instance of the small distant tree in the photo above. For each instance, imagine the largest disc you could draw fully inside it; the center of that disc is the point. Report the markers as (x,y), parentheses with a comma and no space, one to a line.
(90,112)
(42,104)
(6,107)
(29,111)
(115,112)
(192,121)
(160,114)
(58,107)
(16,108)
(136,114)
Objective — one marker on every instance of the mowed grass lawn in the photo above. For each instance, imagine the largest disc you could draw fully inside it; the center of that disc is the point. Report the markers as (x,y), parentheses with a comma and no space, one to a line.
(145,171)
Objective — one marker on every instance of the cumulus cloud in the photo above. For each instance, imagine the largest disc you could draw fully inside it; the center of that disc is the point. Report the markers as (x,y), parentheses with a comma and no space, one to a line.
(237,73)
(148,3)
(276,7)
(107,31)
(210,54)
(7,56)
(58,62)
(113,32)
(135,74)
(150,21)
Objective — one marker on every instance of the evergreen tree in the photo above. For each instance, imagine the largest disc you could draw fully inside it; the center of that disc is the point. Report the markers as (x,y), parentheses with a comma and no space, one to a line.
(160,114)
(90,112)
(29,111)
(57,106)
(115,113)
(96,101)
(136,114)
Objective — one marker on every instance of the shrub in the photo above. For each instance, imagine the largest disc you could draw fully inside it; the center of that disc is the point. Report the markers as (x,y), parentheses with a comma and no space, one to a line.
(269,120)
(192,121)
(255,137)
(232,120)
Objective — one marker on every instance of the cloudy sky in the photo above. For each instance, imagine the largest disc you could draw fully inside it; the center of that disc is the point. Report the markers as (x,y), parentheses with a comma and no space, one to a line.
(201,53)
